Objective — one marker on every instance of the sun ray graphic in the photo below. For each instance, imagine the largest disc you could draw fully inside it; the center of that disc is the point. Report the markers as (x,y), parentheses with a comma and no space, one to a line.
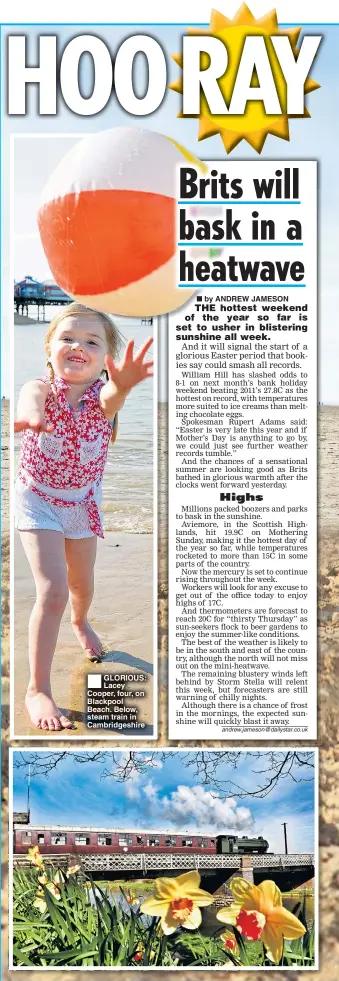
(254,125)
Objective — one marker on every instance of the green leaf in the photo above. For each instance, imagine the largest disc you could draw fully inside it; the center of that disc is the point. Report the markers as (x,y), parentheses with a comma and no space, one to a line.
(65,956)
(59,922)
(302,914)
(311,943)
(22,958)
(22,927)
(242,946)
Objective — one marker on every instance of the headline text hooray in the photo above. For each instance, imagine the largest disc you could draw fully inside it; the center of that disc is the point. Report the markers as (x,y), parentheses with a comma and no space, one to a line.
(54,73)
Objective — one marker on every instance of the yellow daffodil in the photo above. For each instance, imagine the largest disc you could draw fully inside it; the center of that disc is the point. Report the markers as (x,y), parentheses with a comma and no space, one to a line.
(59,877)
(258,913)
(139,953)
(39,901)
(177,902)
(43,878)
(72,870)
(40,904)
(130,898)
(35,857)
(53,889)
(229,941)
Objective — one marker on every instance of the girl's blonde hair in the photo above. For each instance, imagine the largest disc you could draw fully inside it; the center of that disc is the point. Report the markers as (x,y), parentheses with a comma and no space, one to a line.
(113,337)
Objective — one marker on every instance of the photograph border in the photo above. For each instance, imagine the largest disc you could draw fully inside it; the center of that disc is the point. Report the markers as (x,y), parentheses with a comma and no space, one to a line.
(175,749)
(60,737)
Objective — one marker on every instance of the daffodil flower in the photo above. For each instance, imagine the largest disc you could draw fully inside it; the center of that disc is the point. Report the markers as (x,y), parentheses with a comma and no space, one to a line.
(40,904)
(130,898)
(258,913)
(53,889)
(59,877)
(35,857)
(229,940)
(177,902)
(72,870)
(139,953)
(43,878)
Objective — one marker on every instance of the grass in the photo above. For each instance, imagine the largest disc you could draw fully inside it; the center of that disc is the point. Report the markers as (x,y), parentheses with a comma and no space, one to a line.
(83,924)
(138,887)
(299,892)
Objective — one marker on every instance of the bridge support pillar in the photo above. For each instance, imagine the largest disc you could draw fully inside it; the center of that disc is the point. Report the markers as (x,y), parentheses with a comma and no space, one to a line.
(247,868)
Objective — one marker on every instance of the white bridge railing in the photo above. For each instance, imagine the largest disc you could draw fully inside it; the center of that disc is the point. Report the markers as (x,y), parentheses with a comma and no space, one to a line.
(161,861)
(281,861)
(147,862)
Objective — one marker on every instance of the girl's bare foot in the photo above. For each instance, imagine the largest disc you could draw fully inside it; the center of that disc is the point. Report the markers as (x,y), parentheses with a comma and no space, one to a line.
(44,713)
(88,639)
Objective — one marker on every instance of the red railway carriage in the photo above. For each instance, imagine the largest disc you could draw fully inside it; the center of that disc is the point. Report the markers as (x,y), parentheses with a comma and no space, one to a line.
(82,841)
(60,840)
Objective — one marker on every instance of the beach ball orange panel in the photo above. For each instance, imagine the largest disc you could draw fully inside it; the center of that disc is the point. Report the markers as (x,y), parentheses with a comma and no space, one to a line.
(107,221)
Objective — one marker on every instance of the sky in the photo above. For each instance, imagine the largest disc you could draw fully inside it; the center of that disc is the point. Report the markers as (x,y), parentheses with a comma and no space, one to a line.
(315,138)
(168,797)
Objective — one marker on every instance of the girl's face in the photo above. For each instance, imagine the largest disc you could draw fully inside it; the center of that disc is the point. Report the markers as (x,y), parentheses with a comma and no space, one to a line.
(78,348)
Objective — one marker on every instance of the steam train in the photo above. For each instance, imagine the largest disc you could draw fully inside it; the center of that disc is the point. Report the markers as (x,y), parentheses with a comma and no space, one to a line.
(59,840)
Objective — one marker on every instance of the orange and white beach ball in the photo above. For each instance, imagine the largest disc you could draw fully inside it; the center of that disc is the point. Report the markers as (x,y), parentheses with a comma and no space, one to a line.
(107,221)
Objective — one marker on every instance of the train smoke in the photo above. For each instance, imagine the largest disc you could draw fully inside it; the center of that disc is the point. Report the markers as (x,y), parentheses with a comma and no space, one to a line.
(193,807)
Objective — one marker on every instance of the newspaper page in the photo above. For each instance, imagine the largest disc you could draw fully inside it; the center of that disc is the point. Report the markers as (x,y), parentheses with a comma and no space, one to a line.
(169,287)
(242,458)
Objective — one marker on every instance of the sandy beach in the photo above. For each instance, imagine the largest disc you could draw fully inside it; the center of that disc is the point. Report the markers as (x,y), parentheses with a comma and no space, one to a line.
(121,613)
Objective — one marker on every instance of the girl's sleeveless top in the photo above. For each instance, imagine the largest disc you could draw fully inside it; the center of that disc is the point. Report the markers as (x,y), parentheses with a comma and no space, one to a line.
(74,454)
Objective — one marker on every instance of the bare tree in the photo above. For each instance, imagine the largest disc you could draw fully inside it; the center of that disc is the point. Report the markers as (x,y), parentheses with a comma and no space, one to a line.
(271,766)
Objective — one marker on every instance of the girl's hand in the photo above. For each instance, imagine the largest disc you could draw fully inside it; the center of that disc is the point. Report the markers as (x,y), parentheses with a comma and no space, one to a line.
(132,369)
(36,422)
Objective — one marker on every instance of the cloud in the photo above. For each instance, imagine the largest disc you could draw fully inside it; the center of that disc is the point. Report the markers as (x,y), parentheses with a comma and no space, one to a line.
(196,807)
(150,791)
(132,791)
(132,788)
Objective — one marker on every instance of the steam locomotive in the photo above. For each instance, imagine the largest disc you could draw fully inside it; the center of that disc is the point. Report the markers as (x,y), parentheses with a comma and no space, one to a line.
(58,840)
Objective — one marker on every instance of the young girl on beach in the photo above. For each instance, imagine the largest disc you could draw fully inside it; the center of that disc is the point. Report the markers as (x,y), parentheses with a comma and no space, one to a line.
(67,421)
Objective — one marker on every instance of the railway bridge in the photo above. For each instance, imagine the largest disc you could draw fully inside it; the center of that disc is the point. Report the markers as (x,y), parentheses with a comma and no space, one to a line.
(288,871)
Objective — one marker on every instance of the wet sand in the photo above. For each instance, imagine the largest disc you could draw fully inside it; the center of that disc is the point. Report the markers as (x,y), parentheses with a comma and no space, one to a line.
(121,613)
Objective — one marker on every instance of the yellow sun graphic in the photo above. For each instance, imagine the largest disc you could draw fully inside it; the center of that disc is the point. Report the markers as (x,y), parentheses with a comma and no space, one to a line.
(254,125)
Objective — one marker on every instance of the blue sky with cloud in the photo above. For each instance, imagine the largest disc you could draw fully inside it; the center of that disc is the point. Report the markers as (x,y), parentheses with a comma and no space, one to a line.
(169,796)
(315,138)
